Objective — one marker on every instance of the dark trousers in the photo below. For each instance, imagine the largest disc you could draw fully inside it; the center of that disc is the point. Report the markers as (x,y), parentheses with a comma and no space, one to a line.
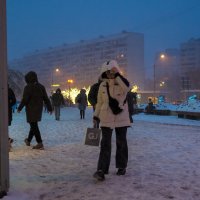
(57,112)
(82,114)
(121,157)
(34,131)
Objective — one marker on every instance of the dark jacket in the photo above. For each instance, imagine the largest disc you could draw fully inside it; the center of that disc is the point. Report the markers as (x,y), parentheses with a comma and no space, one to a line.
(33,97)
(57,98)
(131,100)
(11,103)
(81,99)
(150,107)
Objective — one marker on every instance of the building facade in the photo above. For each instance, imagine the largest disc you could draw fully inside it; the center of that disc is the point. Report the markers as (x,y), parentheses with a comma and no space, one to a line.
(81,62)
(177,71)
(190,64)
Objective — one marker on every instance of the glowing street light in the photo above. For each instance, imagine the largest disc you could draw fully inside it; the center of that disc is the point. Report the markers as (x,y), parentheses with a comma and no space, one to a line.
(162,56)
(55,85)
(162,83)
(57,70)
(70,81)
(135,88)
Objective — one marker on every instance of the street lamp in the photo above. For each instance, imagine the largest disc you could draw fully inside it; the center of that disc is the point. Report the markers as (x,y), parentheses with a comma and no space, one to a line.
(154,82)
(57,70)
(162,56)
(54,71)
(162,83)
(70,81)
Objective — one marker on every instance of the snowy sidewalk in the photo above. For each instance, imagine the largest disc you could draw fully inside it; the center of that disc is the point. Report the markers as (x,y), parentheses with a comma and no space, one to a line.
(164,161)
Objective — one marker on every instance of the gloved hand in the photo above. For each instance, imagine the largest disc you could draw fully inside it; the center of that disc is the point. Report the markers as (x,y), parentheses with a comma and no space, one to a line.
(96,121)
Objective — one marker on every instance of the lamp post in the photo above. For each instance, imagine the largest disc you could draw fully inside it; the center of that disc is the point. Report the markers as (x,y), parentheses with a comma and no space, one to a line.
(162,56)
(57,70)
(162,83)
(70,81)
(154,82)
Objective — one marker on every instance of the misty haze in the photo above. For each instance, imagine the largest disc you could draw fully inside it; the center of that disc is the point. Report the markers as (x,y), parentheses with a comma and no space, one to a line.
(129,68)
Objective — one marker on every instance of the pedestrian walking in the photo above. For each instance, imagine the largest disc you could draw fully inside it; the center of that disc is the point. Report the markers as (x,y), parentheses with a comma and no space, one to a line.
(11,103)
(112,115)
(34,96)
(57,101)
(132,101)
(81,100)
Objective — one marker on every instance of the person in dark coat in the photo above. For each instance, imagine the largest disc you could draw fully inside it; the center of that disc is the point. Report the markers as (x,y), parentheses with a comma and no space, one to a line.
(81,99)
(132,101)
(33,97)
(11,103)
(150,107)
(57,100)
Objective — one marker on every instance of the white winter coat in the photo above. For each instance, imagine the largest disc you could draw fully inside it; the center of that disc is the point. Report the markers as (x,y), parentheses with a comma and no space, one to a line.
(118,90)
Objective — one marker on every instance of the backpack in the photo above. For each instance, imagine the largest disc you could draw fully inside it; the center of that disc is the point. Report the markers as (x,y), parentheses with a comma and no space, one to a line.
(93,93)
(78,99)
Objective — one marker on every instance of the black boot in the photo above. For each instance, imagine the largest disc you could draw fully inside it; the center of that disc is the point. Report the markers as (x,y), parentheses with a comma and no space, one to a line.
(27,142)
(39,146)
(99,175)
(2,194)
(121,171)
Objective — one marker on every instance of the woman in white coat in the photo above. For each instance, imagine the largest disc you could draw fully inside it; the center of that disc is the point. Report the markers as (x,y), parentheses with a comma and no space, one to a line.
(118,87)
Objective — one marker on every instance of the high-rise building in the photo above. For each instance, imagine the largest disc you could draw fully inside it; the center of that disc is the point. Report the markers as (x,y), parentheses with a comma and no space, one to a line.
(82,61)
(190,64)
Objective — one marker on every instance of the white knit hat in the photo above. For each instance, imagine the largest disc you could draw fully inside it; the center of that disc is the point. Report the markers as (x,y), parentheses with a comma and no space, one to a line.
(109,65)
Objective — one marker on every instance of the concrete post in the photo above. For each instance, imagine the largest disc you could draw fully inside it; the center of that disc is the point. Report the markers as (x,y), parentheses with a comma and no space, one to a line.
(4,155)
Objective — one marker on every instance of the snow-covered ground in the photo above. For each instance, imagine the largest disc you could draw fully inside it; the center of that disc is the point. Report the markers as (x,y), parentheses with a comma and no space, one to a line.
(164,160)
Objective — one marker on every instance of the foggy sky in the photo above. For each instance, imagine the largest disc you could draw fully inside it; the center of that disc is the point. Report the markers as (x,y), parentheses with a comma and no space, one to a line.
(39,24)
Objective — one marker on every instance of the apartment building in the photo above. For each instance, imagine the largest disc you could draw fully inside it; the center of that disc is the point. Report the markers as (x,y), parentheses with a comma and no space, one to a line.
(190,64)
(82,61)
